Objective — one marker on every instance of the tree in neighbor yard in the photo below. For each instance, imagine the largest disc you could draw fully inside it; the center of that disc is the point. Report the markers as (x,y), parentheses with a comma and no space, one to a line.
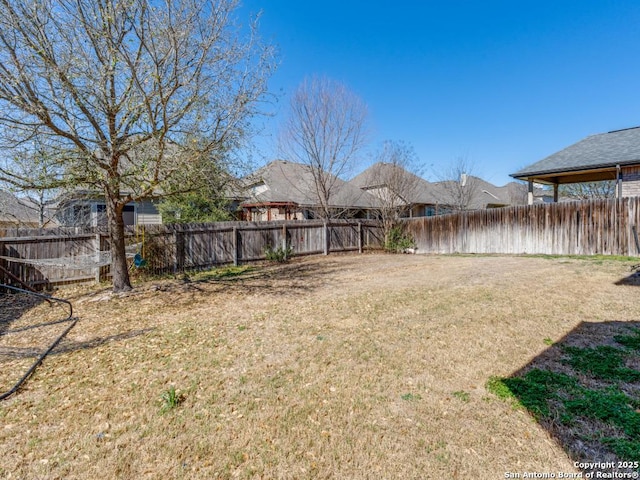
(393,180)
(325,131)
(589,190)
(132,91)
(459,184)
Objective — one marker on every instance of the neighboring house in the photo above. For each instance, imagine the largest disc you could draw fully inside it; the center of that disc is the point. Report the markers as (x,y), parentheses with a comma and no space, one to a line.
(88,209)
(613,156)
(287,191)
(428,199)
(395,186)
(474,193)
(16,212)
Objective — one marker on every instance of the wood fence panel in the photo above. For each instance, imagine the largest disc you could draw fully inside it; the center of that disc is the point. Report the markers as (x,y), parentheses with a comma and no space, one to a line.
(47,249)
(305,239)
(572,228)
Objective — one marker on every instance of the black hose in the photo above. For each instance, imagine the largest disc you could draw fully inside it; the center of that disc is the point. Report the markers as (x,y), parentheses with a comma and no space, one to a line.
(42,356)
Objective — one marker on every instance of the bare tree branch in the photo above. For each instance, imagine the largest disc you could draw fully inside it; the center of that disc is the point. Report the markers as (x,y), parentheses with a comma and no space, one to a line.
(325,130)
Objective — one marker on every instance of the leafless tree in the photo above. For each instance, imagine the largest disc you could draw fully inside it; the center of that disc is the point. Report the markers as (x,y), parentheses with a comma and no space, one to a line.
(133,91)
(325,130)
(459,184)
(589,190)
(393,180)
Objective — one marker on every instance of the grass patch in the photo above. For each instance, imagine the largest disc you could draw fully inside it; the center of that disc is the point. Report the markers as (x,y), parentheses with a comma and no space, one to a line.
(410,397)
(170,399)
(597,259)
(573,399)
(462,395)
(602,362)
(630,341)
(344,366)
(221,273)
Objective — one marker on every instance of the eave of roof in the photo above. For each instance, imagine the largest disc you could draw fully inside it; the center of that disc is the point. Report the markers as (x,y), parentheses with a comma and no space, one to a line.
(587,160)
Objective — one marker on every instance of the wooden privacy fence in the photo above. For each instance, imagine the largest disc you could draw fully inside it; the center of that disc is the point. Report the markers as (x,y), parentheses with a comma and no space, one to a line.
(590,227)
(77,257)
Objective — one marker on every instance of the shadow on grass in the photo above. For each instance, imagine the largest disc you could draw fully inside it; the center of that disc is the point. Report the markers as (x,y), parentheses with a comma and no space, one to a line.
(585,391)
(632,279)
(67,345)
(13,306)
(295,277)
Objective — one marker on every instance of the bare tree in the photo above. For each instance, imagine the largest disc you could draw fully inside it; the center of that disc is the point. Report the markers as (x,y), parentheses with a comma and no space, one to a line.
(589,190)
(459,184)
(132,91)
(325,130)
(393,180)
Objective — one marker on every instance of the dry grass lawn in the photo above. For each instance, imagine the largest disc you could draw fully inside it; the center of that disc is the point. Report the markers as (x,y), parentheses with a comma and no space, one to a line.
(349,367)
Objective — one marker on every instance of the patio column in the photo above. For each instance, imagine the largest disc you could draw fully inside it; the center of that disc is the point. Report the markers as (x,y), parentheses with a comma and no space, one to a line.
(530,193)
(618,183)
(555,193)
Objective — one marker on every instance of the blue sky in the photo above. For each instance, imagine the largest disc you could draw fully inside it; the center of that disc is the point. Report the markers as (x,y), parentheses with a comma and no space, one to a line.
(501,83)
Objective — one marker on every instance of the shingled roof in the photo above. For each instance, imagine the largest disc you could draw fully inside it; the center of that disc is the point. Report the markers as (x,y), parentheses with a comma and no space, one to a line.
(415,189)
(14,211)
(283,181)
(594,157)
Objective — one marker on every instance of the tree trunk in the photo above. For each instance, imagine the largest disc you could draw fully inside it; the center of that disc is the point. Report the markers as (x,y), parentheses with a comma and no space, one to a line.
(119,267)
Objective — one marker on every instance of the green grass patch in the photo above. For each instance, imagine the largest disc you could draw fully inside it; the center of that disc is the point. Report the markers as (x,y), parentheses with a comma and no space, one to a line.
(558,396)
(222,273)
(630,341)
(462,395)
(499,388)
(598,259)
(603,362)
(170,399)
(410,397)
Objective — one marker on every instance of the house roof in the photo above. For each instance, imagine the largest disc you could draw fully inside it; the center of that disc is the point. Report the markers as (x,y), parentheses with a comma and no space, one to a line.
(415,189)
(420,191)
(483,194)
(16,211)
(283,181)
(591,159)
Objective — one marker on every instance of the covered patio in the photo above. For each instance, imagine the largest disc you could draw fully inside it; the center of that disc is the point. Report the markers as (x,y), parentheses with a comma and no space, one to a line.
(613,156)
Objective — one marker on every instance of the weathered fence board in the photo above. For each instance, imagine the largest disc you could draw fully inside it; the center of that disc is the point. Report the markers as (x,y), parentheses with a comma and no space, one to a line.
(572,228)
(176,248)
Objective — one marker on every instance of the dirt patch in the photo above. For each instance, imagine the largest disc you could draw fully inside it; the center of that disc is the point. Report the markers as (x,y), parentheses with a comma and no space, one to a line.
(355,366)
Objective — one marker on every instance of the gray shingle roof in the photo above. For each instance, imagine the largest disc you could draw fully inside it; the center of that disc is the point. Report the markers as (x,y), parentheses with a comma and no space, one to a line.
(17,211)
(415,189)
(482,193)
(619,147)
(283,181)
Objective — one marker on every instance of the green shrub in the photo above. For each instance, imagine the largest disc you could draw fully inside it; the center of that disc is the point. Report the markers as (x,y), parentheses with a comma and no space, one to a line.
(279,254)
(398,240)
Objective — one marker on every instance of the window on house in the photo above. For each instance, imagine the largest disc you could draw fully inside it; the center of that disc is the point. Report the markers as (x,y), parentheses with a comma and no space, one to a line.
(101,214)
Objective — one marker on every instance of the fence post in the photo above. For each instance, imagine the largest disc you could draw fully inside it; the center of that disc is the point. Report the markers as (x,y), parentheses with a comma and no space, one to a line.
(179,259)
(284,240)
(359,237)
(235,246)
(97,247)
(327,239)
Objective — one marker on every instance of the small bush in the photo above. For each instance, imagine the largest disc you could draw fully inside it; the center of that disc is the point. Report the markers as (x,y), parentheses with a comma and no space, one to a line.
(398,240)
(279,254)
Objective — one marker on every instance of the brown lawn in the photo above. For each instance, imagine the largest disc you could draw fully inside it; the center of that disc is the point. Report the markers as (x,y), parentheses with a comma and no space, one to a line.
(354,367)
